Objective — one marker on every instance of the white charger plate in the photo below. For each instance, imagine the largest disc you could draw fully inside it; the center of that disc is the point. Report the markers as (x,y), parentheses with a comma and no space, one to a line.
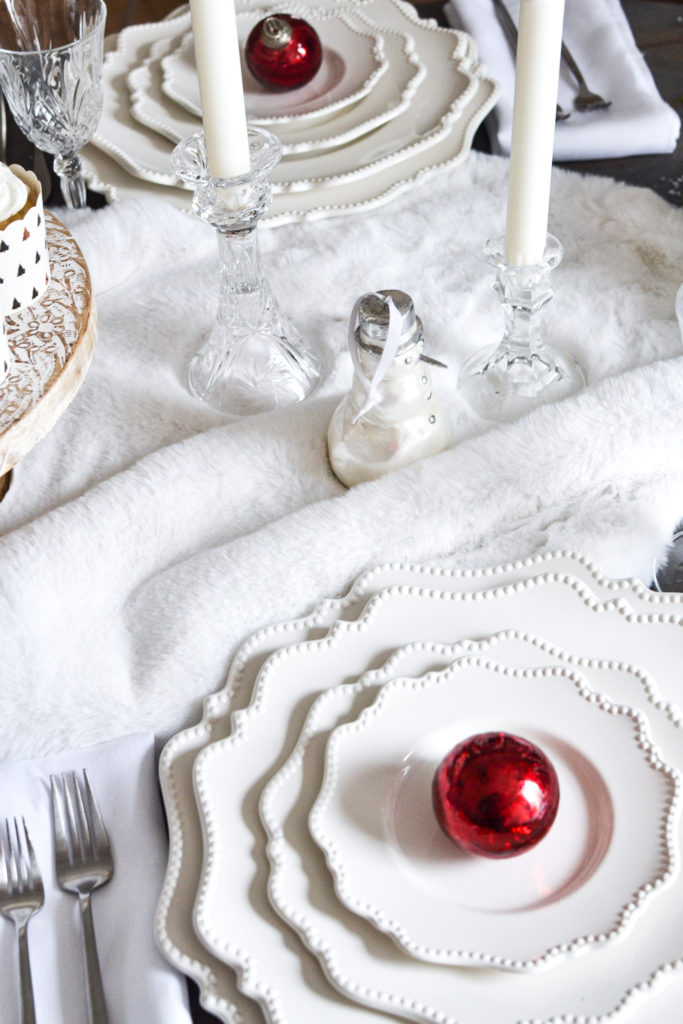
(230,917)
(390,96)
(435,132)
(431,115)
(173,921)
(353,62)
(612,846)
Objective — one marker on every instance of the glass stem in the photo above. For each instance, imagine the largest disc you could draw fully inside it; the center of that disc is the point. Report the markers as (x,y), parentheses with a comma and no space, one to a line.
(247,304)
(243,296)
(70,171)
(242,307)
(523,295)
(247,307)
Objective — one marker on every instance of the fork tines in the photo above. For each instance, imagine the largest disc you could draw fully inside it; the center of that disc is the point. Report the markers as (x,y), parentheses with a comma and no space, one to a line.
(19,872)
(83,835)
(21,896)
(83,862)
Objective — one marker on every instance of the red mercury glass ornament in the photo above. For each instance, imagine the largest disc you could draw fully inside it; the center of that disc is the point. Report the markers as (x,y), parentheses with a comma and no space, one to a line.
(495,794)
(283,52)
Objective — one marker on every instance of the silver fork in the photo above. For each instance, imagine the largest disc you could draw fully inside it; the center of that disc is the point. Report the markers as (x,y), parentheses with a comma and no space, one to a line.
(510,29)
(584,99)
(21,896)
(83,861)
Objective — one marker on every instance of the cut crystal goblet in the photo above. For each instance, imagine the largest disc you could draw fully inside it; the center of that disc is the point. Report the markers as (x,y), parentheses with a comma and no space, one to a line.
(51,77)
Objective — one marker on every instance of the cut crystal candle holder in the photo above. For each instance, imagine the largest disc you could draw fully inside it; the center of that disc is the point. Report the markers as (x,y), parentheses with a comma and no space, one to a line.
(51,77)
(253,359)
(505,380)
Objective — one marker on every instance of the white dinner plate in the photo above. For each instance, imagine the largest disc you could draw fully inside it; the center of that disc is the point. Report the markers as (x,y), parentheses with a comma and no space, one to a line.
(353,62)
(611,847)
(432,115)
(299,884)
(390,96)
(230,914)
(173,922)
(436,131)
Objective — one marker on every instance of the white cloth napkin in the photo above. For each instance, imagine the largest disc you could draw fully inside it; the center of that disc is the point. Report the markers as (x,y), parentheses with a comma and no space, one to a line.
(139,984)
(600,40)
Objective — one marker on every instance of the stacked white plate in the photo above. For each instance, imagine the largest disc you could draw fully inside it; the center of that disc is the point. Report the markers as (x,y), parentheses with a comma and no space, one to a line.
(396,98)
(308,879)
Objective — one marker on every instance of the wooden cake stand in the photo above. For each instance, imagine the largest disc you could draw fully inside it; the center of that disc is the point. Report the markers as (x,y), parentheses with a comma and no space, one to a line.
(52,343)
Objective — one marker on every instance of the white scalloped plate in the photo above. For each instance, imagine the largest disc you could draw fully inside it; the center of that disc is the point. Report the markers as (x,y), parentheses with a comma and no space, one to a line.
(390,97)
(173,922)
(353,63)
(230,916)
(610,849)
(354,956)
(437,113)
(434,132)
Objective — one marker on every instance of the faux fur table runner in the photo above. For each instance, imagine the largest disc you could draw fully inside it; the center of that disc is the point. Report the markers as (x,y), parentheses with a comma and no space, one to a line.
(148,535)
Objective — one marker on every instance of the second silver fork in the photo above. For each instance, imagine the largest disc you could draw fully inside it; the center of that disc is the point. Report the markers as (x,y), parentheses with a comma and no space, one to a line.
(83,862)
(21,896)
(585,99)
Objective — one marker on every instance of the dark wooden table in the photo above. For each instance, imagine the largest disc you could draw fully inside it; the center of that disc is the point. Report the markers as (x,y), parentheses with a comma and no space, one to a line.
(658,29)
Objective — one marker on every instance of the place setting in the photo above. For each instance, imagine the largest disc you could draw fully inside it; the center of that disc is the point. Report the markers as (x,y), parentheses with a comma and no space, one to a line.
(341,655)
(349,134)
(359,866)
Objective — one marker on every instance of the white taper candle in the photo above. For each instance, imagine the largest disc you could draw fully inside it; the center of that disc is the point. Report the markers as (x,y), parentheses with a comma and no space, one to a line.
(533,130)
(217,54)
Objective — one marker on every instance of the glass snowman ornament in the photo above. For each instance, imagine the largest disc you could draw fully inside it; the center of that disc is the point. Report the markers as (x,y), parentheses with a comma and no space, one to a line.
(390,417)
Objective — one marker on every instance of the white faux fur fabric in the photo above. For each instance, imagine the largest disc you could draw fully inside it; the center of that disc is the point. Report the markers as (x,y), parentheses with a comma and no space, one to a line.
(148,535)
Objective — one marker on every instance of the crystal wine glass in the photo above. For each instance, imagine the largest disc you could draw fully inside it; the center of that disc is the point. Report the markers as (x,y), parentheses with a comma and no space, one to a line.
(51,76)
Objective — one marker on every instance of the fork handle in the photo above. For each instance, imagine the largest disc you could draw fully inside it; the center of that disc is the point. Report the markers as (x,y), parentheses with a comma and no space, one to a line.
(572,65)
(94,992)
(28,1010)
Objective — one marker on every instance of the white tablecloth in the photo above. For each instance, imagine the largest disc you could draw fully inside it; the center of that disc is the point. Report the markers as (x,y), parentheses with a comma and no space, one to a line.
(148,535)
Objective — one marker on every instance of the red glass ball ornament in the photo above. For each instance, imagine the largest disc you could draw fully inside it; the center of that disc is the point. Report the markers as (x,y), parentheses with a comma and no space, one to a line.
(283,52)
(495,794)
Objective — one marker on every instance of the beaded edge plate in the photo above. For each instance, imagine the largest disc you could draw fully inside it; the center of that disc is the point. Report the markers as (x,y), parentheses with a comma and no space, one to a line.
(226,772)
(173,920)
(339,938)
(579,888)
(319,188)
(390,97)
(444,112)
(353,63)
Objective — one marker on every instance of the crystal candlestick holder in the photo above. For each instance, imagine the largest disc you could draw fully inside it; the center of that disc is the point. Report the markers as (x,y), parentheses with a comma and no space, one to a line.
(505,380)
(253,360)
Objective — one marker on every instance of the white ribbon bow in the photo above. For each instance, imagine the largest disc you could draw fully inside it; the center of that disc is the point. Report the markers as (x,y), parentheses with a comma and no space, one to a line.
(391,344)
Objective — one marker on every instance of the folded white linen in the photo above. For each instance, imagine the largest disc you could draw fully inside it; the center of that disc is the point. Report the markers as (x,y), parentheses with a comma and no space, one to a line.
(139,984)
(599,38)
